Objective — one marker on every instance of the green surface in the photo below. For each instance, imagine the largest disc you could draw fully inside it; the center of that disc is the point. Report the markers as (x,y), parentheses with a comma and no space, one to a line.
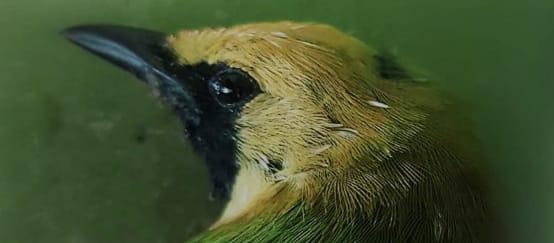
(87,156)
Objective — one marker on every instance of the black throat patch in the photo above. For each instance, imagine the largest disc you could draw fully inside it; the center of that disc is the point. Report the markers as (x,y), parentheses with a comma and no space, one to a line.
(214,136)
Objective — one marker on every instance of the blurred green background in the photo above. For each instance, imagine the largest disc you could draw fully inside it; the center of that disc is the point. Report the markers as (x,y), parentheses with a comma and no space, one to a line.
(86,155)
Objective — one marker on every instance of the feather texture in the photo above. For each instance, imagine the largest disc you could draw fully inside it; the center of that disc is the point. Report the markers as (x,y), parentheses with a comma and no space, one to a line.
(363,157)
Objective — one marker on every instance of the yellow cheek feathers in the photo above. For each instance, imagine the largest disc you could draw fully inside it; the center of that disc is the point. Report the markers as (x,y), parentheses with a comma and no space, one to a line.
(323,107)
(316,136)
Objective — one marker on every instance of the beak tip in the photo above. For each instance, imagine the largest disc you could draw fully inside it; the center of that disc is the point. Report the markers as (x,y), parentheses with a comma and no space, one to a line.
(72,32)
(72,35)
(79,35)
(132,49)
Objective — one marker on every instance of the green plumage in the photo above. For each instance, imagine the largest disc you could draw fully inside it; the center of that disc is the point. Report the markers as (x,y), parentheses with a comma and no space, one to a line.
(324,139)
(431,193)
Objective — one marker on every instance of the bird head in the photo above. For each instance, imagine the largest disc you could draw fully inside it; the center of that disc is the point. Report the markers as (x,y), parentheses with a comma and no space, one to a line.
(272,107)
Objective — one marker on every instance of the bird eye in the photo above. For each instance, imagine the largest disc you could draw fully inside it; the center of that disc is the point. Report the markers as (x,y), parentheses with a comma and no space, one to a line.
(231,87)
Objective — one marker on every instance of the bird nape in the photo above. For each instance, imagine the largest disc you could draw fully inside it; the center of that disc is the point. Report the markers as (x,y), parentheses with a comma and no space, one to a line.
(310,135)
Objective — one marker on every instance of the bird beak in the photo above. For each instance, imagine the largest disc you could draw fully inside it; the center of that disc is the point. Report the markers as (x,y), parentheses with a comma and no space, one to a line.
(142,52)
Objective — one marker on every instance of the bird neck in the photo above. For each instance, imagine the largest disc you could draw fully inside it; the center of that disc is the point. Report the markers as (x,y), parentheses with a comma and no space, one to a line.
(395,202)
(369,200)
(301,223)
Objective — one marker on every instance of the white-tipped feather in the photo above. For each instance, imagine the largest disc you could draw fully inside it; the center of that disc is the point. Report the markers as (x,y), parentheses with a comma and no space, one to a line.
(264,162)
(347,132)
(378,104)
(333,125)
(320,149)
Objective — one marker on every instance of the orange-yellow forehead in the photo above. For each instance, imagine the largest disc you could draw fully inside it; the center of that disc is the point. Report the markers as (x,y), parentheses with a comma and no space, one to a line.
(293,52)
(194,46)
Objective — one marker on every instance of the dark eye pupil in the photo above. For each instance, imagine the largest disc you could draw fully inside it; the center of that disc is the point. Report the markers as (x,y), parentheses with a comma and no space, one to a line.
(231,87)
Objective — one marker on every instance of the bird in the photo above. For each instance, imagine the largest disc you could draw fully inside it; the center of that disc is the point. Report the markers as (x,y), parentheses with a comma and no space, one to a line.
(311,135)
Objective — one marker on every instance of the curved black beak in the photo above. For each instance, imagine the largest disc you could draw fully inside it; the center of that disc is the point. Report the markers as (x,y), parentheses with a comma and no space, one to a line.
(135,50)
(142,52)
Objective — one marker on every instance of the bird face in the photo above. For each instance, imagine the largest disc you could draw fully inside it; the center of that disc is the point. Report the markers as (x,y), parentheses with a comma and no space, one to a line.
(267,103)
(306,129)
